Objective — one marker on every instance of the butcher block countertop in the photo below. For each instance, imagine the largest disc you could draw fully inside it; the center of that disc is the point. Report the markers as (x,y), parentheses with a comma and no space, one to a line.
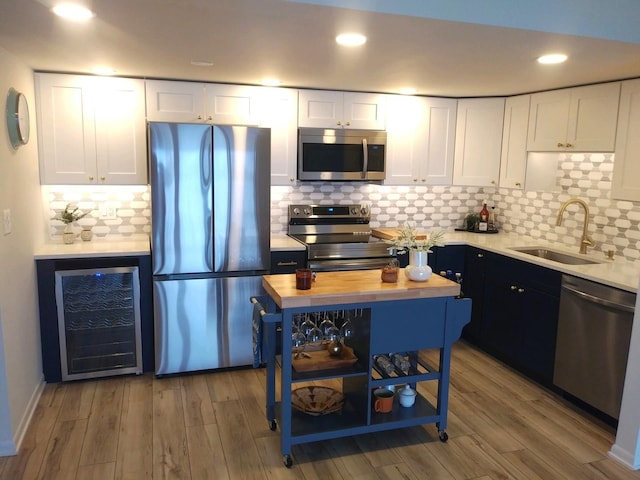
(353,286)
(387,233)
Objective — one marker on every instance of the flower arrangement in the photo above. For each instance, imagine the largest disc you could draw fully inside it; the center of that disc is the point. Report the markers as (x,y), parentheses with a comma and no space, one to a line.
(69,215)
(409,239)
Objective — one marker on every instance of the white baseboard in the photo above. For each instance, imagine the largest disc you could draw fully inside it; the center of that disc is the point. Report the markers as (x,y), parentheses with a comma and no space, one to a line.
(26,418)
(624,457)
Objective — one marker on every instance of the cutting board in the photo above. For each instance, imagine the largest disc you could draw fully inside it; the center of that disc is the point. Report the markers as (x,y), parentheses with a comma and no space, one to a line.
(321,360)
(391,233)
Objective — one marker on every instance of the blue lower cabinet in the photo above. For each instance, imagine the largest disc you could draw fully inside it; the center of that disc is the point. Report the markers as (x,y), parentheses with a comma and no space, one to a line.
(520,315)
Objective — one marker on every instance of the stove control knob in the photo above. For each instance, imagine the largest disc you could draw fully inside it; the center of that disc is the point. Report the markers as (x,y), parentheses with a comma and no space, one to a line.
(296,211)
(354,211)
(307,211)
(364,210)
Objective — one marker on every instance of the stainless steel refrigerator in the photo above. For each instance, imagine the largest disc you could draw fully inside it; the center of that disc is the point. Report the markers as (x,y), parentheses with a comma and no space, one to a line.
(210,211)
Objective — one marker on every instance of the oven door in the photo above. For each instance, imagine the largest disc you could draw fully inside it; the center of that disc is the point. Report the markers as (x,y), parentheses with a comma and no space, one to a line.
(348,264)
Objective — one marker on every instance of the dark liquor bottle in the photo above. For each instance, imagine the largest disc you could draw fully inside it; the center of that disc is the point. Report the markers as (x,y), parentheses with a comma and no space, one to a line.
(484,218)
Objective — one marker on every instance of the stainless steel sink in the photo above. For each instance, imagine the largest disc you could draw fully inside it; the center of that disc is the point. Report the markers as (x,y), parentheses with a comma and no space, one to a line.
(555,256)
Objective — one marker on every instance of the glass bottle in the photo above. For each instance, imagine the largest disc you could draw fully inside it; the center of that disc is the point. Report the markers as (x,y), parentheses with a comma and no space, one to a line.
(484,218)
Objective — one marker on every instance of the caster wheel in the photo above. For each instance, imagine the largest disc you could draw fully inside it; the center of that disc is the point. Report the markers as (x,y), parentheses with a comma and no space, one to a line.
(443,436)
(273,425)
(288,461)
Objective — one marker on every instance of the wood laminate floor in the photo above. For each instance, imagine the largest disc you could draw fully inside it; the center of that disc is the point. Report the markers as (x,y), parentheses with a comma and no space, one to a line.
(213,426)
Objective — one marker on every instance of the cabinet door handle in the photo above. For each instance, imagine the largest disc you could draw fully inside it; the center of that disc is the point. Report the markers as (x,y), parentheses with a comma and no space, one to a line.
(348,124)
(199,117)
(569,145)
(560,144)
(338,123)
(518,184)
(513,288)
(209,117)
(102,177)
(521,290)
(91,177)
(481,255)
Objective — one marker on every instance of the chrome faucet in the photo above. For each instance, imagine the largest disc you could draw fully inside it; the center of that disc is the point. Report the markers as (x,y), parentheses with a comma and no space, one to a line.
(585,241)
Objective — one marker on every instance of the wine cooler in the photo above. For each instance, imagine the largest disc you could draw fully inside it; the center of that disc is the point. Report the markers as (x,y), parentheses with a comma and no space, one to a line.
(99,322)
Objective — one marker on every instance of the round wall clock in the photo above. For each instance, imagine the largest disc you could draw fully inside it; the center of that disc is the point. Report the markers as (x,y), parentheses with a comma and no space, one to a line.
(17,118)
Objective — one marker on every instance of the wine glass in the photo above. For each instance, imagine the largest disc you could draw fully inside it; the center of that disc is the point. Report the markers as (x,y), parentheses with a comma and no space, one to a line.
(298,338)
(329,330)
(312,333)
(346,329)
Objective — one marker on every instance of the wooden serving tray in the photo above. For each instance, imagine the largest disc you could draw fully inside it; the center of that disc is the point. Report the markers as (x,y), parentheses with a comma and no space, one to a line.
(321,360)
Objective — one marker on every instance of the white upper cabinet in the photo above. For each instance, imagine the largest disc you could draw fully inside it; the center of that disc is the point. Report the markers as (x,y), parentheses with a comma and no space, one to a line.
(581,119)
(478,141)
(91,130)
(279,108)
(420,140)
(513,160)
(189,102)
(626,167)
(327,109)
(175,101)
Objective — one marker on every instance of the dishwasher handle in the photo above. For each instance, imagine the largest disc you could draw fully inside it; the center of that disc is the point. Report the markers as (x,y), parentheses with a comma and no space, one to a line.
(600,301)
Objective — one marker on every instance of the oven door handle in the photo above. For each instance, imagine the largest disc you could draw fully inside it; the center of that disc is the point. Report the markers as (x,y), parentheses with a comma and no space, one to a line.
(348,264)
(365,153)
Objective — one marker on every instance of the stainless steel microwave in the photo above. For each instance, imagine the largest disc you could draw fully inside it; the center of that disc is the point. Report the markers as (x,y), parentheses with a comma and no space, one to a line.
(341,154)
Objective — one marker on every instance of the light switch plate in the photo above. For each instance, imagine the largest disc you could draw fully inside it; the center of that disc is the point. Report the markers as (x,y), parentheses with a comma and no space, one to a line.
(6,221)
(107,211)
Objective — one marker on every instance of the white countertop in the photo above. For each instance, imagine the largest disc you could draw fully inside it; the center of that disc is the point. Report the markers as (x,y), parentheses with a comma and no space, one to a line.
(93,248)
(285,242)
(618,273)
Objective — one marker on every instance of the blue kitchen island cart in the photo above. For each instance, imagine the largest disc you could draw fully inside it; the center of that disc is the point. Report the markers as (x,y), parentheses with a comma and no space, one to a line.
(403,318)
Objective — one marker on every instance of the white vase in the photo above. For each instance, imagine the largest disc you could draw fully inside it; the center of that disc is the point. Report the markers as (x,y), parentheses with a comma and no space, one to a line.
(418,270)
(68,235)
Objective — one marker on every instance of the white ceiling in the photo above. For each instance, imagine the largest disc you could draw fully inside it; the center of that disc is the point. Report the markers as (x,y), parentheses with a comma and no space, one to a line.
(248,40)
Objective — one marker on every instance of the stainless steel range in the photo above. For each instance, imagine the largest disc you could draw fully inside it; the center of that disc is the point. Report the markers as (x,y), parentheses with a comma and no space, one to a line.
(338,237)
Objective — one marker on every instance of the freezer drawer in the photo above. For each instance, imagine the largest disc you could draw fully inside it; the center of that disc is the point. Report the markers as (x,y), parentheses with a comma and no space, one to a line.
(203,323)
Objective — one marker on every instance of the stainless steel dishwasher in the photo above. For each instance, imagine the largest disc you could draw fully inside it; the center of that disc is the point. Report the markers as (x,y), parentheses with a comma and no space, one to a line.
(594,331)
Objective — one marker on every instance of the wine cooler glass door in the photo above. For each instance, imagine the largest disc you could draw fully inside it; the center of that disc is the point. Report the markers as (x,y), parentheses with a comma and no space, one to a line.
(99,322)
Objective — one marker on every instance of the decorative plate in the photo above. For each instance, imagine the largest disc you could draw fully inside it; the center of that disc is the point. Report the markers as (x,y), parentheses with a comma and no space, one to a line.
(315,400)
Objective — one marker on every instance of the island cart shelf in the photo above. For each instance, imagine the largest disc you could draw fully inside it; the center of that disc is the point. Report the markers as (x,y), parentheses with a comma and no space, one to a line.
(405,317)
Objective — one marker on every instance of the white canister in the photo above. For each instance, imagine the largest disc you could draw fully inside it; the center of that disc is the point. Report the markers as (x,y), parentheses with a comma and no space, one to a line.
(407,396)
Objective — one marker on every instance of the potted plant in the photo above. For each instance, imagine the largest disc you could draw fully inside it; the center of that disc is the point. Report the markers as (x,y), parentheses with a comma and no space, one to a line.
(471,222)
(390,272)
(68,216)
(418,246)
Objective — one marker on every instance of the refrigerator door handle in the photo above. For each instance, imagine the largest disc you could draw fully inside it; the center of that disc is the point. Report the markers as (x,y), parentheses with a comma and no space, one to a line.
(206,177)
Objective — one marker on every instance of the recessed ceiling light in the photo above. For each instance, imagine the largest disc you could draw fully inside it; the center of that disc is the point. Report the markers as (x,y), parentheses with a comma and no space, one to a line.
(407,91)
(552,58)
(201,63)
(351,39)
(103,71)
(70,11)
(271,82)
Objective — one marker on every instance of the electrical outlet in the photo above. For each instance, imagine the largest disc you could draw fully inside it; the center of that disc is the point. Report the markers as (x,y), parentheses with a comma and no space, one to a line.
(6,221)
(108,211)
